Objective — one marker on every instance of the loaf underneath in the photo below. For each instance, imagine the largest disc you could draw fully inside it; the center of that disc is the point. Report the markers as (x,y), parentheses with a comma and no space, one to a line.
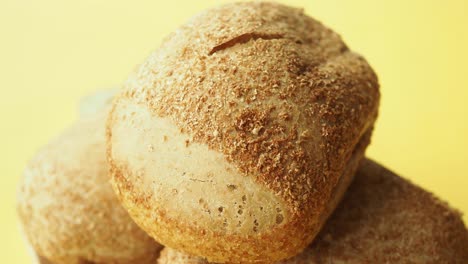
(67,209)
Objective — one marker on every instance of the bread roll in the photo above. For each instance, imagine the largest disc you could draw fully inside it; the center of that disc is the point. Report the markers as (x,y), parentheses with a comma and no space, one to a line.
(382,219)
(230,140)
(67,208)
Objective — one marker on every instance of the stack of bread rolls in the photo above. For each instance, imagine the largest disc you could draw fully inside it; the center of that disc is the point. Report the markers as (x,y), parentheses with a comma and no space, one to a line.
(234,142)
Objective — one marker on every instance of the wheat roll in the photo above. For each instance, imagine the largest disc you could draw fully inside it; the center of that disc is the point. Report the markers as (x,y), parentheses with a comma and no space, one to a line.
(236,138)
(383,219)
(67,208)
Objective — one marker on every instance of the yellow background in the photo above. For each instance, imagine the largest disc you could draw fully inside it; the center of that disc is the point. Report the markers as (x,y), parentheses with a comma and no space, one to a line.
(52,52)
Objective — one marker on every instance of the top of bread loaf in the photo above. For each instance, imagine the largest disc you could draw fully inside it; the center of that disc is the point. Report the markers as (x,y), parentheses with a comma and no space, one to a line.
(279,94)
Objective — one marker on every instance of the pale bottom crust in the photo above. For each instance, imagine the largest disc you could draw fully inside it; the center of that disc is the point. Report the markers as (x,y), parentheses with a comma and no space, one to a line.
(279,242)
(382,218)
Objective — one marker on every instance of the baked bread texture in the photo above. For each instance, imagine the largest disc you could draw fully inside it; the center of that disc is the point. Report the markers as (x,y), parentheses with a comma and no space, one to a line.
(382,219)
(230,140)
(67,208)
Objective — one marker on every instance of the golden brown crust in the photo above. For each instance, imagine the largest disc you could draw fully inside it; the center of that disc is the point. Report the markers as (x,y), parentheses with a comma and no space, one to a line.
(274,91)
(68,209)
(382,219)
